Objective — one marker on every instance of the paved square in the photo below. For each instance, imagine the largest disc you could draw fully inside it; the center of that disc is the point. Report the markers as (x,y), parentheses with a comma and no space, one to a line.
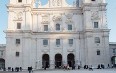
(69,71)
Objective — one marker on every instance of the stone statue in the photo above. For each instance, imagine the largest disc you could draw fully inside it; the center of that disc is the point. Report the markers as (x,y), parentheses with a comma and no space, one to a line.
(56,2)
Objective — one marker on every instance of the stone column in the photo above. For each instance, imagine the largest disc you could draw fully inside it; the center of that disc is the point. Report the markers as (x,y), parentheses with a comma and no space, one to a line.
(64,49)
(39,55)
(51,47)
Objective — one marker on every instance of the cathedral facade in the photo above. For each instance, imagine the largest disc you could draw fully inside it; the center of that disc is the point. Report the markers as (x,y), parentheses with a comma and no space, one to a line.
(56,34)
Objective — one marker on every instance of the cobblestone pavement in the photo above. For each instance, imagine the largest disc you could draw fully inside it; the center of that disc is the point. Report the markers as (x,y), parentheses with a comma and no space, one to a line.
(68,71)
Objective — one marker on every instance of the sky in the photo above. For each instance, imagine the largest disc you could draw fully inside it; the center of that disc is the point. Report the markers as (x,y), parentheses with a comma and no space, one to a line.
(111,18)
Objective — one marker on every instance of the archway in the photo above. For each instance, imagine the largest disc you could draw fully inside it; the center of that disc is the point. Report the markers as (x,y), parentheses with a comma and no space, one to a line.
(58,61)
(70,59)
(2,63)
(45,61)
(113,61)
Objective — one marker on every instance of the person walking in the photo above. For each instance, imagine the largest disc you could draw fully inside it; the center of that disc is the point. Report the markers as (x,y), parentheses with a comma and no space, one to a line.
(91,68)
(12,70)
(68,67)
(30,69)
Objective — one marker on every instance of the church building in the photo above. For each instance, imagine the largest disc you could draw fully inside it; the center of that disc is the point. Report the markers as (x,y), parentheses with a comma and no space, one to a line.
(56,34)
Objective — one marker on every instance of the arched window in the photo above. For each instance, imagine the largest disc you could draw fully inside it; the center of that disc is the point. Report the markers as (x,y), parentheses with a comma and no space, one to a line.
(57,27)
(97,40)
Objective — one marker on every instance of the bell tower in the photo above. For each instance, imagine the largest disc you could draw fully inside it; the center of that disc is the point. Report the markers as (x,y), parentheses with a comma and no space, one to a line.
(19,20)
(96,32)
(18,10)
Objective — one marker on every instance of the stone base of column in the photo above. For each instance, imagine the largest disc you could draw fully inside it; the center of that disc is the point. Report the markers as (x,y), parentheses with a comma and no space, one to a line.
(39,67)
(52,66)
(76,65)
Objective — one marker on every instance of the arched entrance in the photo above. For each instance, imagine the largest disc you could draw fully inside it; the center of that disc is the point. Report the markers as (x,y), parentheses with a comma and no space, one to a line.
(58,60)
(113,60)
(45,61)
(70,59)
(2,63)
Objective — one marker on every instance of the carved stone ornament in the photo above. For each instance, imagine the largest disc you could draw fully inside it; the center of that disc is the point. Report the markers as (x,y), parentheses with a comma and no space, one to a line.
(71,50)
(95,15)
(45,51)
(69,21)
(45,19)
(57,18)
(27,9)
(69,18)
(18,16)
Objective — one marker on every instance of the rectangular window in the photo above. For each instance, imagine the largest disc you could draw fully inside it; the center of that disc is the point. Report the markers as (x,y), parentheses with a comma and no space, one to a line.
(17,54)
(45,42)
(19,1)
(95,24)
(57,41)
(70,41)
(45,27)
(1,53)
(114,51)
(57,27)
(97,40)
(98,52)
(17,41)
(18,25)
(69,27)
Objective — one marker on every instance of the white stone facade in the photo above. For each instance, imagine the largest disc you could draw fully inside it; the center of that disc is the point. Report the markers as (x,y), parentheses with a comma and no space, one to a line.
(84,24)
(2,55)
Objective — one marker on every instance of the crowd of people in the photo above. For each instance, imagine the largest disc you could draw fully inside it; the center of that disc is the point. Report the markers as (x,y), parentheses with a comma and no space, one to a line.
(16,69)
(65,67)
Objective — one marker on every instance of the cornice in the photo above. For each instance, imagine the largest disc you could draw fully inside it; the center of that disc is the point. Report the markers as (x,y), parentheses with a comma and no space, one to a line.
(32,32)
(57,9)
(94,5)
(17,31)
(62,32)
(88,6)
(97,30)
(18,5)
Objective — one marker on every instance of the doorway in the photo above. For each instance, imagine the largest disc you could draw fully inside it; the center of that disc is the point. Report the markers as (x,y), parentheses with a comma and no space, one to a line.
(70,59)
(58,61)
(45,61)
(2,63)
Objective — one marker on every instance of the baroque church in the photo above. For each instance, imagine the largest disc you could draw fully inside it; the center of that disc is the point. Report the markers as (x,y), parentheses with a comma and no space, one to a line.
(56,34)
